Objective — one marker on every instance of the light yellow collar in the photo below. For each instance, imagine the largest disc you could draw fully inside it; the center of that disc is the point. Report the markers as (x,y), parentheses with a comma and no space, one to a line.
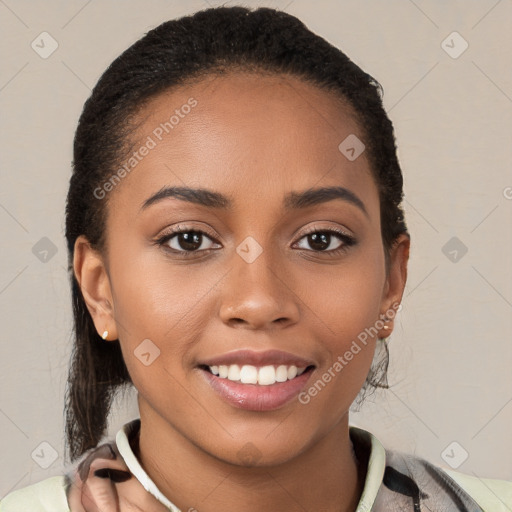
(374,475)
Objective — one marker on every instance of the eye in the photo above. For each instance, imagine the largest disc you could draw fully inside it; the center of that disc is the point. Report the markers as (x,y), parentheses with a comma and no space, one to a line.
(186,241)
(332,240)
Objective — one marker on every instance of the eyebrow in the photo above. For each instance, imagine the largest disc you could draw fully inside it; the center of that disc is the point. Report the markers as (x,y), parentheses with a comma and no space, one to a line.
(292,201)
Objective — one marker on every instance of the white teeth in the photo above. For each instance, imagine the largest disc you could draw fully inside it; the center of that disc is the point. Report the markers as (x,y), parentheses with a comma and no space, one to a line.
(292,372)
(264,375)
(248,374)
(234,372)
(282,373)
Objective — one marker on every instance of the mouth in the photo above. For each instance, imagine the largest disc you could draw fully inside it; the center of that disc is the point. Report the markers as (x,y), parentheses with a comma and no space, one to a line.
(263,375)
(256,388)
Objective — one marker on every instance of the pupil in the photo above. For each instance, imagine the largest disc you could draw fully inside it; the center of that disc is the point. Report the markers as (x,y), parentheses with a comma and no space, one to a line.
(319,239)
(190,240)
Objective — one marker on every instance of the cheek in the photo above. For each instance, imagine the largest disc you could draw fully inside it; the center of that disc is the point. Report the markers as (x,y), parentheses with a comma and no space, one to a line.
(152,293)
(348,309)
(164,302)
(347,297)
(332,390)
(160,315)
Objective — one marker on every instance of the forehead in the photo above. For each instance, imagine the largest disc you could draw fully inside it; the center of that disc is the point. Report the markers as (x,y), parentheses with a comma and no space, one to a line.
(250,135)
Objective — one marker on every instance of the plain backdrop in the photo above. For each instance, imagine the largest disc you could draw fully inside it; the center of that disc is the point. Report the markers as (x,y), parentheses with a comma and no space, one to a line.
(451,351)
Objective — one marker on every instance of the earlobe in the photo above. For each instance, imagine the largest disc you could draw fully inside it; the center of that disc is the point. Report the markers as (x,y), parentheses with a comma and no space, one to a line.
(395,282)
(94,282)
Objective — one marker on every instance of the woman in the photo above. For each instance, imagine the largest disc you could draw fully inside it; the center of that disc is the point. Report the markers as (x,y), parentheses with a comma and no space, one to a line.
(238,254)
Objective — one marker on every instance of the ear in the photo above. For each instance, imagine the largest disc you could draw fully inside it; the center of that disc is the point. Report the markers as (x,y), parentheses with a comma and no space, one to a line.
(94,282)
(395,282)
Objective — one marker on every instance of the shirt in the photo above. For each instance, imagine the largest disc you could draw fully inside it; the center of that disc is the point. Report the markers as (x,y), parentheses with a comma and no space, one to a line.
(110,476)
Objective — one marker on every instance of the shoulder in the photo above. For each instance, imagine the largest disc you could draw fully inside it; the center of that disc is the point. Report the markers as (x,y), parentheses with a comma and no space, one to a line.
(438,487)
(399,481)
(49,495)
(490,494)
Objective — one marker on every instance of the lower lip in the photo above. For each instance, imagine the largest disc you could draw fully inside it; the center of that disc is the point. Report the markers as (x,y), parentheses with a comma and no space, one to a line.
(254,397)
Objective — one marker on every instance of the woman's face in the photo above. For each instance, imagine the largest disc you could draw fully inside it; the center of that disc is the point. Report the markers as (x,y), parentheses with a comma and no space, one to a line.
(267,274)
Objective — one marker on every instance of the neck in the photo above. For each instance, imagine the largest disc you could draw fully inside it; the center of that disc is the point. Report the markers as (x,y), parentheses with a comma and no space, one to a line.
(326,476)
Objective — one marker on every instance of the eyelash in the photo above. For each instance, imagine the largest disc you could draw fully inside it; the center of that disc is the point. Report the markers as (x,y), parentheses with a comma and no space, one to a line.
(347,240)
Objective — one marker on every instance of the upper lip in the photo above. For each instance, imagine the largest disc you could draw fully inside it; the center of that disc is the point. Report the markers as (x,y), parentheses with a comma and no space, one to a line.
(268,357)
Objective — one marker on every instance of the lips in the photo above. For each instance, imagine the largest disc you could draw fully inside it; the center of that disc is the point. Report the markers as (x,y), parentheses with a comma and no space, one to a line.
(251,357)
(256,396)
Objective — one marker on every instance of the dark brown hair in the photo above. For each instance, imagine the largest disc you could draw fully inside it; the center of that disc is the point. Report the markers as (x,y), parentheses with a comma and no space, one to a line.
(173,54)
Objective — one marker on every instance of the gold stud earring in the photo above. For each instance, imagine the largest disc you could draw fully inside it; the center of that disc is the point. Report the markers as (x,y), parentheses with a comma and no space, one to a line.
(104,335)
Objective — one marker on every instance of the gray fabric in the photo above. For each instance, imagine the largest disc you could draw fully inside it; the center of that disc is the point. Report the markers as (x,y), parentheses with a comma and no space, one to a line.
(413,484)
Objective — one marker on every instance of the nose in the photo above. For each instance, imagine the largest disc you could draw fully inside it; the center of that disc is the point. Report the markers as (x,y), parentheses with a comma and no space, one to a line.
(258,296)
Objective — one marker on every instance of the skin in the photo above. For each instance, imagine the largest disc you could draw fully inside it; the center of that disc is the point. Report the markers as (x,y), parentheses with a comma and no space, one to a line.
(253,138)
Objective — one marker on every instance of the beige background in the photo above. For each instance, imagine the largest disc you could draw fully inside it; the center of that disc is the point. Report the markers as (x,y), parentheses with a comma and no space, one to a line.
(451,351)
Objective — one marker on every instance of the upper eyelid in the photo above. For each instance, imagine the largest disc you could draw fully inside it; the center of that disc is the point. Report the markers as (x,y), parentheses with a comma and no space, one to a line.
(313,229)
(185,229)
(332,229)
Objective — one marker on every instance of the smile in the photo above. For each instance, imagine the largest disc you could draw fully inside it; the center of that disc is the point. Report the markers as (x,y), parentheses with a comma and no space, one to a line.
(256,389)
(263,376)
